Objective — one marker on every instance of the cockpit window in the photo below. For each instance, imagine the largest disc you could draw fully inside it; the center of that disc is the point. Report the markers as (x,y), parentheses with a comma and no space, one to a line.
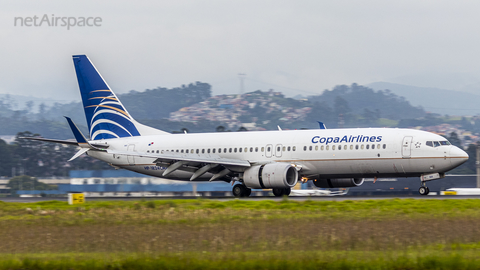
(437,144)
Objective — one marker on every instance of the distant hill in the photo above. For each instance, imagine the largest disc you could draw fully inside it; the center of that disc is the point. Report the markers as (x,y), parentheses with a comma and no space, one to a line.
(434,100)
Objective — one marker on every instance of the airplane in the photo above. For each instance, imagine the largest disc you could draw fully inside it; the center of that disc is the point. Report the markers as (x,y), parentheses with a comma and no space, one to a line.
(277,160)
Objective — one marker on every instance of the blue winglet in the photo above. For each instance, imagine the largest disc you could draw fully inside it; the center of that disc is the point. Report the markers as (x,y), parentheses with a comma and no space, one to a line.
(322,125)
(76,132)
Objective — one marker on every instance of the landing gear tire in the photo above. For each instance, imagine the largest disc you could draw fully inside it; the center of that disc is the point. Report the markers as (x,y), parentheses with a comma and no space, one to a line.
(423,190)
(239,190)
(279,192)
(248,192)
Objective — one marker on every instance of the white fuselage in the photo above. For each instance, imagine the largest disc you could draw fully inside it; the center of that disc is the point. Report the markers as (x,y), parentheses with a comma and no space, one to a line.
(323,153)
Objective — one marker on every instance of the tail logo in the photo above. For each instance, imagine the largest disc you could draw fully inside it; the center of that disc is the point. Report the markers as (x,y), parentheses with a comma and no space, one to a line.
(109,119)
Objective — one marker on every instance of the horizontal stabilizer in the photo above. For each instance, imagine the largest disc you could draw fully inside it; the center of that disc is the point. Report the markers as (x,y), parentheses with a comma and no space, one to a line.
(79,153)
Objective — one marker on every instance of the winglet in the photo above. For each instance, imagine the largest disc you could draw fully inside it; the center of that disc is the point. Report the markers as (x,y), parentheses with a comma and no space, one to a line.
(322,125)
(82,142)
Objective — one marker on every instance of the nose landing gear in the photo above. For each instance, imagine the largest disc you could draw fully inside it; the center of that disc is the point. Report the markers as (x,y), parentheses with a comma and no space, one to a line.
(423,190)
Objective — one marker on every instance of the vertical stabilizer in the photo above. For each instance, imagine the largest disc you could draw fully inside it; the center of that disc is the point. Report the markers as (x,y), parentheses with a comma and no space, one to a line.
(106,116)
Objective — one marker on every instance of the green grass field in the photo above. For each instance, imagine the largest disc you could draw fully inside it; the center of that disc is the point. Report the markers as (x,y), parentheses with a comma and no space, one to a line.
(241,234)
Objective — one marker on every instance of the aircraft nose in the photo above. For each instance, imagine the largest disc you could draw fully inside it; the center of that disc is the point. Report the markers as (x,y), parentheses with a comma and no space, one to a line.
(457,156)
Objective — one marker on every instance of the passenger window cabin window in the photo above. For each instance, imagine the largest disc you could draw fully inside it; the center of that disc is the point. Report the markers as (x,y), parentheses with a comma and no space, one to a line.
(256,149)
(235,149)
(246,149)
(356,147)
(323,147)
(251,149)
(225,150)
(213,150)
(203,151)
(288,148)
(263,149)
(316,147)
(378,146)
(384,146)
(339,147)
(351,147)
(327,147)
(240,149)
(333,147)
(344,147)
(373,146)
(198,151)
(230,150)
(310,148)
(208,150)
(186,151)
(305,148)
(219,150)
(283,149)
(180,151)
(361,147)
(368,146)
(294,148)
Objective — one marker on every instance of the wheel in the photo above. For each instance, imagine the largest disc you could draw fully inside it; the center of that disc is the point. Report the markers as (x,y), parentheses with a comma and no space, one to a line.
(278,192)
(239,190)
(423,190)
(248,192)
(286,191)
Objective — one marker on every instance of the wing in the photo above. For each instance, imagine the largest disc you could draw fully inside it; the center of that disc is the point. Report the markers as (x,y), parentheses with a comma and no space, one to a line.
(196,163)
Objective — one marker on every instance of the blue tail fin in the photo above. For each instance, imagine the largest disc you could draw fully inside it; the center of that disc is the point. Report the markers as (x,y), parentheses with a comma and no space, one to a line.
(106,116)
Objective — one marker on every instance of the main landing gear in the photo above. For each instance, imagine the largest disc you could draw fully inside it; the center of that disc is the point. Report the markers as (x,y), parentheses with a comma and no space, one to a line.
(279,192)
(423,190)
(240,190)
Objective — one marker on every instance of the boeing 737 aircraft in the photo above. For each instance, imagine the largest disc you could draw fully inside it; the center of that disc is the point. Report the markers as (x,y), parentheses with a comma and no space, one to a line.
(275,160)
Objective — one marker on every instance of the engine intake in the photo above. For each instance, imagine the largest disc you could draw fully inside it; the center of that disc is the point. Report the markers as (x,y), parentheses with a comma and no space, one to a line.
(338,183)
(272,175)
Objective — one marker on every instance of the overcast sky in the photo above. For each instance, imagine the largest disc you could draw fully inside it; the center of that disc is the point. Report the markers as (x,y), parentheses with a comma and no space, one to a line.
(290,46)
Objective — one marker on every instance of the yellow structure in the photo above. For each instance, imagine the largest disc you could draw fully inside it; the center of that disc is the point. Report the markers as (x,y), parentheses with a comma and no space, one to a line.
(76,198)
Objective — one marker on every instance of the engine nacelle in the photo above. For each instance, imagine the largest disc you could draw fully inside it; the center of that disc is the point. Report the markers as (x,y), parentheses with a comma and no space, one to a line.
(272,175)
(338,183)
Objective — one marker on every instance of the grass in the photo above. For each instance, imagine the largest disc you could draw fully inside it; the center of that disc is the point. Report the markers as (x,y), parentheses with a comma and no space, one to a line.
(241,234)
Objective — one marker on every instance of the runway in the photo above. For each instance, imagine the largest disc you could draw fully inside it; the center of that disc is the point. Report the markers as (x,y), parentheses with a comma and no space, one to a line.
(272,198)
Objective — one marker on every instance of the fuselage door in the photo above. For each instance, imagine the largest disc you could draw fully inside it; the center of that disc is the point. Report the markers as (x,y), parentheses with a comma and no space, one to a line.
(268,150)
(278,150)
(407,146)
(131,159)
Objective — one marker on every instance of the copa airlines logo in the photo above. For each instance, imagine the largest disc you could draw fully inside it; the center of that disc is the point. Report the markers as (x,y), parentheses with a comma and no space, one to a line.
(109,118)
(346,139)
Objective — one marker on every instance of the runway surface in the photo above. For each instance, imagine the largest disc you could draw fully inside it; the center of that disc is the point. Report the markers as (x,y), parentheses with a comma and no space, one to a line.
(293,198)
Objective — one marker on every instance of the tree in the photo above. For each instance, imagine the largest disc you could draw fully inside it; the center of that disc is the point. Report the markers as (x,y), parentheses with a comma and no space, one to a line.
(455,140)
(25,182)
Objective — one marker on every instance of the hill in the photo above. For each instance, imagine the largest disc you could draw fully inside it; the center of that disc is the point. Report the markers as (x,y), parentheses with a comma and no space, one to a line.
(434,100)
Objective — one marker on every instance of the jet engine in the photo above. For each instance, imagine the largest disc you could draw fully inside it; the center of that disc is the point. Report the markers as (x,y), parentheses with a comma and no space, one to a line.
(272,175)
(338,183)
